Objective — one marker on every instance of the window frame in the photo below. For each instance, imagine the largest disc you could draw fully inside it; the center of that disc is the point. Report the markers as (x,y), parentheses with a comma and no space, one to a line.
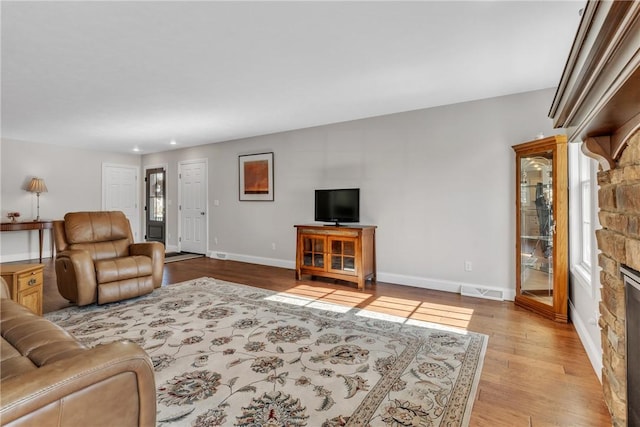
(583,218)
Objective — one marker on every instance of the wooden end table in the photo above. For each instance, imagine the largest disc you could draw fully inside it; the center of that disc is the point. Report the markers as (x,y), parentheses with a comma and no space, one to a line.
(26,283)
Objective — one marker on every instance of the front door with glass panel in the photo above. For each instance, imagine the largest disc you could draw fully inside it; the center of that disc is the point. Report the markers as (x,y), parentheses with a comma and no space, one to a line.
(155,208)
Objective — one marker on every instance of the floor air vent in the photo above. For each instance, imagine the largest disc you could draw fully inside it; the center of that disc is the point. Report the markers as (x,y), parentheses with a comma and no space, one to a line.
(480,292)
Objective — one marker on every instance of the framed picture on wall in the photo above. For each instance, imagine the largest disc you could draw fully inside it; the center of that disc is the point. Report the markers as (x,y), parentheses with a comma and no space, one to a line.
(256,177)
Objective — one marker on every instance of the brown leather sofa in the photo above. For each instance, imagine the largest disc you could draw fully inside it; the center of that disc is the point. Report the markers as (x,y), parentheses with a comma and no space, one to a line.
(97,260)
(47,378)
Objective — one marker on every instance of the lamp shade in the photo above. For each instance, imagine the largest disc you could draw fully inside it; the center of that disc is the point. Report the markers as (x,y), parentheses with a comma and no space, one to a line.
(37,185)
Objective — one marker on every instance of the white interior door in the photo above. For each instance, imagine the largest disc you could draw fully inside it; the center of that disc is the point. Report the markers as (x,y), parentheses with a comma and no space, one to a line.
(192,210)
(120,193)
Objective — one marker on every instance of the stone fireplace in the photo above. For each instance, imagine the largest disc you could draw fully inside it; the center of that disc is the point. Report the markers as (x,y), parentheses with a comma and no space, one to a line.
(619,243)
(597,103)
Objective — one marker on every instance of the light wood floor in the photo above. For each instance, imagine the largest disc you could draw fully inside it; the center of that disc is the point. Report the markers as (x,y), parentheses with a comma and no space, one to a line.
(536,372)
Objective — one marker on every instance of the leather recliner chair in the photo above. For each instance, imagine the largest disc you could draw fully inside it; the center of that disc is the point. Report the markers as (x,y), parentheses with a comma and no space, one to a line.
(97,260)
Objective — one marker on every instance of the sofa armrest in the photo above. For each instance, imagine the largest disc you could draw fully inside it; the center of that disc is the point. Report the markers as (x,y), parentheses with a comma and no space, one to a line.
(4,289)
(110,384)
(76,276)
(155,251)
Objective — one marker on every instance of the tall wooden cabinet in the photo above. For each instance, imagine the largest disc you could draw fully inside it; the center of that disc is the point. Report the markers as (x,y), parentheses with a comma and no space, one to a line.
(542,227)
(344,253)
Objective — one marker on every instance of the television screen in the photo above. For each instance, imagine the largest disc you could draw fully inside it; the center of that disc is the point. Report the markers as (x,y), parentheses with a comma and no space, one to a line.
(342,205)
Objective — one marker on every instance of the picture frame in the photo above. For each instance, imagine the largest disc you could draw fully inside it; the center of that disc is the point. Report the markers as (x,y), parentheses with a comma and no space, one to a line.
(256,177)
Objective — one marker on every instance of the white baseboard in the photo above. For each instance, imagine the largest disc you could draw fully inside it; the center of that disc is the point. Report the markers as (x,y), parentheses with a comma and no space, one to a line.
(25,256)
(398,279)
(446,285)
(272,262)
(594,352)
(479,291)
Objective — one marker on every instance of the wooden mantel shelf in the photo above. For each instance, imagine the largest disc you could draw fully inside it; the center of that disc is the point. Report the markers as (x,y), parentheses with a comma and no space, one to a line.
(598,98)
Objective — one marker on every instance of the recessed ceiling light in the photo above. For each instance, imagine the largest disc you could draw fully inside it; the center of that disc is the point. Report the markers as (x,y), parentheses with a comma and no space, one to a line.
(136,149)
(173,142)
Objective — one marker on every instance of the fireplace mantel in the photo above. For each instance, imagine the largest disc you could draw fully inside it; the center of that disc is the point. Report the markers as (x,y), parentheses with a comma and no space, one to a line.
(598,97)
(598,103)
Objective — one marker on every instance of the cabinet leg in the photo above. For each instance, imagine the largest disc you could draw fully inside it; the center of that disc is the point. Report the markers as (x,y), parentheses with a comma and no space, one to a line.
(297,274)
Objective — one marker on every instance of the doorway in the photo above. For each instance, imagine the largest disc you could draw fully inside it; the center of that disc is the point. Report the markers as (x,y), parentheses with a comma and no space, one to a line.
(155,205)
(192,211)
(120,193)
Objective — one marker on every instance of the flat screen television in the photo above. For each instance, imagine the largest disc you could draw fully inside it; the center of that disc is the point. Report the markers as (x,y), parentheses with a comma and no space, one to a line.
(339,205)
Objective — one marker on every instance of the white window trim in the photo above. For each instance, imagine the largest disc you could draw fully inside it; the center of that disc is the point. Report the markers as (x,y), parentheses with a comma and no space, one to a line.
(585,273)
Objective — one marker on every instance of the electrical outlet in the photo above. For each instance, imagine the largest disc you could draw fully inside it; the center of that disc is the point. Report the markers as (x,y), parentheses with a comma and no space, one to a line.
(468,266)
(273,246)
(215,240)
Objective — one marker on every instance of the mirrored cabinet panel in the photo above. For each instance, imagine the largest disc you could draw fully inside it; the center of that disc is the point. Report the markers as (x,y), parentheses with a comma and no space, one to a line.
(541,227)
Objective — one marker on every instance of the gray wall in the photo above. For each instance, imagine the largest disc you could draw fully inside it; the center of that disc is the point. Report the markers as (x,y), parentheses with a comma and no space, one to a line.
(73,178)
(439,184)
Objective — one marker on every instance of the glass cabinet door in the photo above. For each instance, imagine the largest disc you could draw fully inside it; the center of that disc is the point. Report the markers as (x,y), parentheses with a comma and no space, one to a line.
(536,226)
(313,252)
(343,254)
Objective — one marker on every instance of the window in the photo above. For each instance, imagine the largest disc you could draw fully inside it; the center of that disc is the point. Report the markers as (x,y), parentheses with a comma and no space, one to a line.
(585,210)
(582,217)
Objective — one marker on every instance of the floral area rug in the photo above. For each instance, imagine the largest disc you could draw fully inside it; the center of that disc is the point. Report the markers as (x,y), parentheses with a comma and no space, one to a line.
(229,354)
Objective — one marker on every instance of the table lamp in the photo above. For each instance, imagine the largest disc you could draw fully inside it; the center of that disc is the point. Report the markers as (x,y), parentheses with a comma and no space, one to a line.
(37,186)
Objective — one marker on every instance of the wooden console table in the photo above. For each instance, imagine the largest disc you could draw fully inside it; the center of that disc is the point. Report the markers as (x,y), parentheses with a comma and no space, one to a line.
(43,224)
(344,253)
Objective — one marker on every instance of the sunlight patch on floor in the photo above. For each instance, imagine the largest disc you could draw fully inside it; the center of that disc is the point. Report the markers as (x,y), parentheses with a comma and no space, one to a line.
(423,312)
(289,299)
(399,310)
(320,298)
(308,302)
(337,296)
(381,316)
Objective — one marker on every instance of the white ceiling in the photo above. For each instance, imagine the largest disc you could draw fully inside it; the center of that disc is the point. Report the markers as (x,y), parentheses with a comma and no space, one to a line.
(118,75)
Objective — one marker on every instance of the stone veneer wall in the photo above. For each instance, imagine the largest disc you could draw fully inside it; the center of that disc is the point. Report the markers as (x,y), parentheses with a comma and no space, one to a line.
(619,243)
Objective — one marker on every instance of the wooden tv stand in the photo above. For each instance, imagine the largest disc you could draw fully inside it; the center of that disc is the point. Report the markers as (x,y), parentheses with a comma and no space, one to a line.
(344,252)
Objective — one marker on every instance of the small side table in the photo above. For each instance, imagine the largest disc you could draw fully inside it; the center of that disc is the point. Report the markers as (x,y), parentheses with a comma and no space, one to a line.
(25,284)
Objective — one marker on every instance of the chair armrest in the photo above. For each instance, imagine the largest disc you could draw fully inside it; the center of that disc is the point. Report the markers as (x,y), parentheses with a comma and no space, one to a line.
(76,276)
(155,251)
(110,384)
